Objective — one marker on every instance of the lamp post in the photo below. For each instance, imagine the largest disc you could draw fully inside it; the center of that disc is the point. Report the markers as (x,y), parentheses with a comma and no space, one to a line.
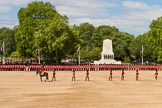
(142,49)
(142,54)
(37,51)
(38,55)
(78,51)
(3,53)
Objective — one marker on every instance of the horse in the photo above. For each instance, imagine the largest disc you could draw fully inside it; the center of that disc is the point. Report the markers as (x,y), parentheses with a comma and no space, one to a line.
(45,74)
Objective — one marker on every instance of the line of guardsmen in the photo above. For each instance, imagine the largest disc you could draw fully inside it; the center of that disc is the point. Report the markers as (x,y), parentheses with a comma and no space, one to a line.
(87,78)
(76,67)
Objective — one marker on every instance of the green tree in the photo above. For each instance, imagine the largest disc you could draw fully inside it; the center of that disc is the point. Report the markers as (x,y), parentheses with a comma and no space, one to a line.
(7,36)
(41,26)
(36,16)
(155,39)
(86,31)
(120,41)
(85,35)
(103,32)
(57,40)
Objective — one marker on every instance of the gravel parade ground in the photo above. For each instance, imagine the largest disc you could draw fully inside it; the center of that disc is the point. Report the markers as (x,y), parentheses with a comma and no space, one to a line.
(24,89)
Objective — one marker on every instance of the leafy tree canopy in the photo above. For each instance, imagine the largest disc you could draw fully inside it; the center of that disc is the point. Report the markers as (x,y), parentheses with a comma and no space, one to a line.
(40,25)
(7,36)
(155,39)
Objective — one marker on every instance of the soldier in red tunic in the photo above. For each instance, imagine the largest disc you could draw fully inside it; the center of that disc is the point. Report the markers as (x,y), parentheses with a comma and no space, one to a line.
(137,74)
(87,75)
(156,74)
(122,74)
(73,76)
(110,75)
(54,76)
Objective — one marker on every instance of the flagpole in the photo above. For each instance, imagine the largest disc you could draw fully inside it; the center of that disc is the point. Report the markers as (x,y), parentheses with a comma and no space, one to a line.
(38,56)
(142,54)
(79,55)
(3,53)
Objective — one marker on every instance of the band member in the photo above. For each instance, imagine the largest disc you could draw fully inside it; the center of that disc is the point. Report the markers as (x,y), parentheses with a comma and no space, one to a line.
(73,76)
(156,74)
(122,74)
(87,75)
(110,75)
(54,76)
(137,74)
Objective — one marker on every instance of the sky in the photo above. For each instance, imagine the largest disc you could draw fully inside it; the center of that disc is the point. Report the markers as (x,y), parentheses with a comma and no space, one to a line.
(132,16)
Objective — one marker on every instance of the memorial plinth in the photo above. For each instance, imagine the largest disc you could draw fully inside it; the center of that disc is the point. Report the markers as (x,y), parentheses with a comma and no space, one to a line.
(107,54)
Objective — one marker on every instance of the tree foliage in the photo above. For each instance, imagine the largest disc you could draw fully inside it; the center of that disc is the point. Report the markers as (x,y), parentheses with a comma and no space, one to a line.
(91,40)
(36,16)
(136,48)
(155,39)
(40,25)
(120,40)
(57,40)
(86,31)
(7,36)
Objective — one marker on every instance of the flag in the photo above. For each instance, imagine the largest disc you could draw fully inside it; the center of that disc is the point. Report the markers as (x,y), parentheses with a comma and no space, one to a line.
(37,51)
(1,50)
(78,50)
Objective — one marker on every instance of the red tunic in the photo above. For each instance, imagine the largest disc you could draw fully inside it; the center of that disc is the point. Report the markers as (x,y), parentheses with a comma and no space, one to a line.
(87,73)
(54,73)
(137,74)
(122,73)
(110,73)
(73,74)
(156,73)
(42,70)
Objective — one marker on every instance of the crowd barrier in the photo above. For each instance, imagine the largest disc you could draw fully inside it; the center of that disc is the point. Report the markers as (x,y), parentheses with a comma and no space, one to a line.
(78,67)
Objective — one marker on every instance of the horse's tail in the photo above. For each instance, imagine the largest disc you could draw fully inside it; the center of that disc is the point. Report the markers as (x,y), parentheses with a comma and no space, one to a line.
(46,74)
(37,71)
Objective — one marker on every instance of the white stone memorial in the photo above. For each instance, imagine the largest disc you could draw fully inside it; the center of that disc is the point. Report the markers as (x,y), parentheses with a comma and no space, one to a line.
(107,55)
